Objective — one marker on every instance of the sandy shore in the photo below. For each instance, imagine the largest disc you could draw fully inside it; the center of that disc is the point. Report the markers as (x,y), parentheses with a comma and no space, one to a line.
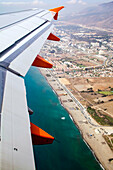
(93,135)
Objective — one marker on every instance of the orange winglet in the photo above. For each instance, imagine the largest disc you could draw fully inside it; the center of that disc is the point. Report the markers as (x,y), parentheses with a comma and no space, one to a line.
(56,9)
(39,136)
(56,16)
(41,62)
(53,37)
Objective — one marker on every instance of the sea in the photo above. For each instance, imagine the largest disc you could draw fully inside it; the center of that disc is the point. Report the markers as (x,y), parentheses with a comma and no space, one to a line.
(68,151)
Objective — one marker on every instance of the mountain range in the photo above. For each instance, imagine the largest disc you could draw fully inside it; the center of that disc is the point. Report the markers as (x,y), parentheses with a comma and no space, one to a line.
(98,16)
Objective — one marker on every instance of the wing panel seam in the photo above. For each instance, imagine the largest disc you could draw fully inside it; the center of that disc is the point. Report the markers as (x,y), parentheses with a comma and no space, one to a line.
(21,20)
(16,42)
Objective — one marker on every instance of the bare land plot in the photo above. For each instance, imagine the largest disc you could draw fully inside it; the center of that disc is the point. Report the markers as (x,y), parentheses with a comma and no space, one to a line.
(107,106)
(64,81)
(85,90)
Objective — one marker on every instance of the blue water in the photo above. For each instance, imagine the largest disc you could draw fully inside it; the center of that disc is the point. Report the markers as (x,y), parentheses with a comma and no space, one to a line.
(70,153)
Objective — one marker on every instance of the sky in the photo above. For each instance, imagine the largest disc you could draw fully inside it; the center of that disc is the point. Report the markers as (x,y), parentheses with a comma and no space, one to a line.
(70,5)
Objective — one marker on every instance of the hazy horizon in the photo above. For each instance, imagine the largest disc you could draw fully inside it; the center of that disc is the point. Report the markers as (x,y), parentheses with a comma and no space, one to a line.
(70,5)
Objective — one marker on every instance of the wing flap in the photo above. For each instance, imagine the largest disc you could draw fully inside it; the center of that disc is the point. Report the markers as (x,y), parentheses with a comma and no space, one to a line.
(31,23)
(15,127)
(12,34)
(22,63)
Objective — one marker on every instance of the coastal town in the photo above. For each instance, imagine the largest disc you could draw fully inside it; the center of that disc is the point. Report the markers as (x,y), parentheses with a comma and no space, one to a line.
(81,52)
(82,77)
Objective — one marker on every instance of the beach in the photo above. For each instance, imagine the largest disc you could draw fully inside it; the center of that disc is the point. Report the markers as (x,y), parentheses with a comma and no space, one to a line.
(91,132)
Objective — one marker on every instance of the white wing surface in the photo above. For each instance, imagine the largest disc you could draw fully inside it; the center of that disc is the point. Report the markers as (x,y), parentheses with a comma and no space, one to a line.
(16,145)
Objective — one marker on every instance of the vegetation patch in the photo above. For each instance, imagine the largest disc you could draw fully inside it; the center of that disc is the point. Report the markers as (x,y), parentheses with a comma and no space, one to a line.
(80,65)
(102,119)
(109,141)
(107,93)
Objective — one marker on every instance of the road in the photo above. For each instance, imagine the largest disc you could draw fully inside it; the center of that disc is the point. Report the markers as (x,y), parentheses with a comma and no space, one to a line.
(81,107)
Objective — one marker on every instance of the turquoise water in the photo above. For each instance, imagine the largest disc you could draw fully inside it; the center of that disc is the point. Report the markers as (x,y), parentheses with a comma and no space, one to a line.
(70,152)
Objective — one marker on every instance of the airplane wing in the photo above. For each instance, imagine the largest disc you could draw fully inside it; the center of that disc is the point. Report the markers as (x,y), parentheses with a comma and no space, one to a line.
(22,35)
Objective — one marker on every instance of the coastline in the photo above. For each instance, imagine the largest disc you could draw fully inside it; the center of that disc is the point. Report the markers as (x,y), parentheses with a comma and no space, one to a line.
(95,142)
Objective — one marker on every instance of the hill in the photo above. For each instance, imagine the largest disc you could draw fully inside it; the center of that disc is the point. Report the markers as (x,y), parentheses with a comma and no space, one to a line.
(99,16)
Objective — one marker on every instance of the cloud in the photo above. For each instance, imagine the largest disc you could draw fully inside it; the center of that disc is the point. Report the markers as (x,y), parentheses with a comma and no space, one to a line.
(35,2)
(75,2)
(71,2)
(81,2)
(38,2)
